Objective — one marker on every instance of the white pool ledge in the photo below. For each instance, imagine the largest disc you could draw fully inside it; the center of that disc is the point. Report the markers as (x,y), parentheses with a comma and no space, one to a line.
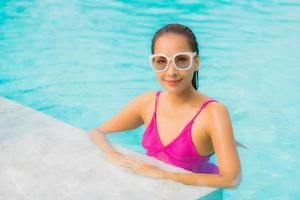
(44,158)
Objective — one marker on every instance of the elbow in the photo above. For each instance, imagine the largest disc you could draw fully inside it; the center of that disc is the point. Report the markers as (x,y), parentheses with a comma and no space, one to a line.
(92,132)
(233,181)
(232,184)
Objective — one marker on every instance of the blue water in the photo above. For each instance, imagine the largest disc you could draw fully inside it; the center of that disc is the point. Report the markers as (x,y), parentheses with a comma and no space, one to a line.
(82,61)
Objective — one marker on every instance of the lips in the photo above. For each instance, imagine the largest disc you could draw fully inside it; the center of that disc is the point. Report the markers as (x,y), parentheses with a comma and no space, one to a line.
(173,81)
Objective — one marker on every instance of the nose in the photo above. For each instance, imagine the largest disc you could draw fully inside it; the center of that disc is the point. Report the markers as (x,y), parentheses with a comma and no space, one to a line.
(171,70)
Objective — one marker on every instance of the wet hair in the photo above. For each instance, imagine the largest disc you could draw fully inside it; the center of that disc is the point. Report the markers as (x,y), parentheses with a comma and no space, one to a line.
(182,30)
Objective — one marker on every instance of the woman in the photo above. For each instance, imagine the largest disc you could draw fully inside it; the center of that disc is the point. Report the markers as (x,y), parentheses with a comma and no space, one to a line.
(184,126)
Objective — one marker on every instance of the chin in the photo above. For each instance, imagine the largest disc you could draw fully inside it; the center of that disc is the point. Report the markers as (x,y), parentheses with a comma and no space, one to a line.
(173,89)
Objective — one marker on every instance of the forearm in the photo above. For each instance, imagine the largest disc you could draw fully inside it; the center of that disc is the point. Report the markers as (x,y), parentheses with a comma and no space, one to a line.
(98,137)
(199,179)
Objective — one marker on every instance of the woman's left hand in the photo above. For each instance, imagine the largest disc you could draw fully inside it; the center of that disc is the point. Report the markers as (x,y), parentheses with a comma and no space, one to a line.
(142,168)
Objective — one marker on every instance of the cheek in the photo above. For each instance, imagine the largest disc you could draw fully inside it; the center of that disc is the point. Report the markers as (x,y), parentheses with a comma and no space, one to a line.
(188,76)
(159,76)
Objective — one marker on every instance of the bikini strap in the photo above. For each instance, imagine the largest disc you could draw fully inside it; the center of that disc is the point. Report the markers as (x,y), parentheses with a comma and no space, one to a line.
(156,98)
(203,106)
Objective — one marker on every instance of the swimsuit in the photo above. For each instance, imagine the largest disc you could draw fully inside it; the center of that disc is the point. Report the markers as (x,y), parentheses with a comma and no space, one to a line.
(180,152)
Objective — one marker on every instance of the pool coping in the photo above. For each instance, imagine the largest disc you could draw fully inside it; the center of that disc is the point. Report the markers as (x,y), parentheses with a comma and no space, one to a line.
(25,132)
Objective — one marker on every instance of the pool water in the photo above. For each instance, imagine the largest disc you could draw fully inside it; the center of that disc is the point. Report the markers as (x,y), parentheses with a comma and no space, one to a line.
(82,61)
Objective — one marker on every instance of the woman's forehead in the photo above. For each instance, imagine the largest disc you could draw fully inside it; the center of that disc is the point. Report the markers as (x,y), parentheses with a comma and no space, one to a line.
(171,43)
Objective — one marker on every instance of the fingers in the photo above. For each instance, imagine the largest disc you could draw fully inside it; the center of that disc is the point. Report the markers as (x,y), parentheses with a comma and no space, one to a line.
(129,162)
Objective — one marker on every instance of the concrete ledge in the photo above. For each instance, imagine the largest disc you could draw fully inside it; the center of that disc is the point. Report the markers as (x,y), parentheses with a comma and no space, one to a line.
(44,158)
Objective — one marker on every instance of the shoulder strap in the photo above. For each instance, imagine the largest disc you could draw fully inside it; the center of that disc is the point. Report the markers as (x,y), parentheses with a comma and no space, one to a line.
(156,98)
(207,102)
(203,106)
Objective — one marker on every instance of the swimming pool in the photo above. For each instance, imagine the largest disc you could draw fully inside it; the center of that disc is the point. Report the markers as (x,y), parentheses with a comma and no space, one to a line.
(82,61)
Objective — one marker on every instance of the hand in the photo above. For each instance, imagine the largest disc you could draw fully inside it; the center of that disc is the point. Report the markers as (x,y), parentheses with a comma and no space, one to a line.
(142,168)
(118,159)
(132,164)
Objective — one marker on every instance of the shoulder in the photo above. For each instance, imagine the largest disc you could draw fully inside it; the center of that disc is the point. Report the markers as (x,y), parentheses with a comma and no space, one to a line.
(213,108)
(144,99)
(144,103)
(216,108)
(218,115)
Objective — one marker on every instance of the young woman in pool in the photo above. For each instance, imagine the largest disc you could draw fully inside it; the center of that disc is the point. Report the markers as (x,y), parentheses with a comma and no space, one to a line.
(184,126)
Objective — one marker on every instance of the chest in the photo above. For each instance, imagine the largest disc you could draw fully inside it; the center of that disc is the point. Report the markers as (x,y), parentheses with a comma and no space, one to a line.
(171,124)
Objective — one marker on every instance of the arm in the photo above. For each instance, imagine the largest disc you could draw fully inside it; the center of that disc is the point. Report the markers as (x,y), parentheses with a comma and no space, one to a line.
(198,179)
(221,133)
(130,117)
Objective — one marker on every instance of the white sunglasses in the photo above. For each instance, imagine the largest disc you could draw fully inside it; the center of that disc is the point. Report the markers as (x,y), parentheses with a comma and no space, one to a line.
(181,60)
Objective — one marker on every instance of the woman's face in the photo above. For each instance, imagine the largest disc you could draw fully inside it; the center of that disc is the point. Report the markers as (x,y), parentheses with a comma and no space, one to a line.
(170,44)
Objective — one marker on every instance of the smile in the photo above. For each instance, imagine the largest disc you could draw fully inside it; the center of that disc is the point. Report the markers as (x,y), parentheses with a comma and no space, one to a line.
(173,82)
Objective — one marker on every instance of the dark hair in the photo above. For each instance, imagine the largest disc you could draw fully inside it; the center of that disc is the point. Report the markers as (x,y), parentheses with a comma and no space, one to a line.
(185,31)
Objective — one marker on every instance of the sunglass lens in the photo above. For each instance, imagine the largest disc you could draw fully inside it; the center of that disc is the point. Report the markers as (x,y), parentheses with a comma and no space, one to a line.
(182,61)
(159,62)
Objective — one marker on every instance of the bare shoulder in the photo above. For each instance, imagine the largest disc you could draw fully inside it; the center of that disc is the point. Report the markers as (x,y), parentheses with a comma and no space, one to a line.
(130,116)
(216,108)
(218,116)
(146,100)
(216,111)
(147,96)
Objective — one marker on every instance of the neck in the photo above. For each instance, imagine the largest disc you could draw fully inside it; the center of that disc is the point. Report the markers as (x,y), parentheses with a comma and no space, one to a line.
(179,99)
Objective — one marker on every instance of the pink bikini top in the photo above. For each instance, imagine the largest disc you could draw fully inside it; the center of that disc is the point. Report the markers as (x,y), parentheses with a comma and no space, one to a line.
(181,151)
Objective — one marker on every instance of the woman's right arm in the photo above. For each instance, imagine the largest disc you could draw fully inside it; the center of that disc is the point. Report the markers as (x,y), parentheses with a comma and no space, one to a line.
(130,117)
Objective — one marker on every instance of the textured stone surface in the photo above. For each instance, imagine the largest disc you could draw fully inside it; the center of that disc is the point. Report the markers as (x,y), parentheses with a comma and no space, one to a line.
(44,158)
